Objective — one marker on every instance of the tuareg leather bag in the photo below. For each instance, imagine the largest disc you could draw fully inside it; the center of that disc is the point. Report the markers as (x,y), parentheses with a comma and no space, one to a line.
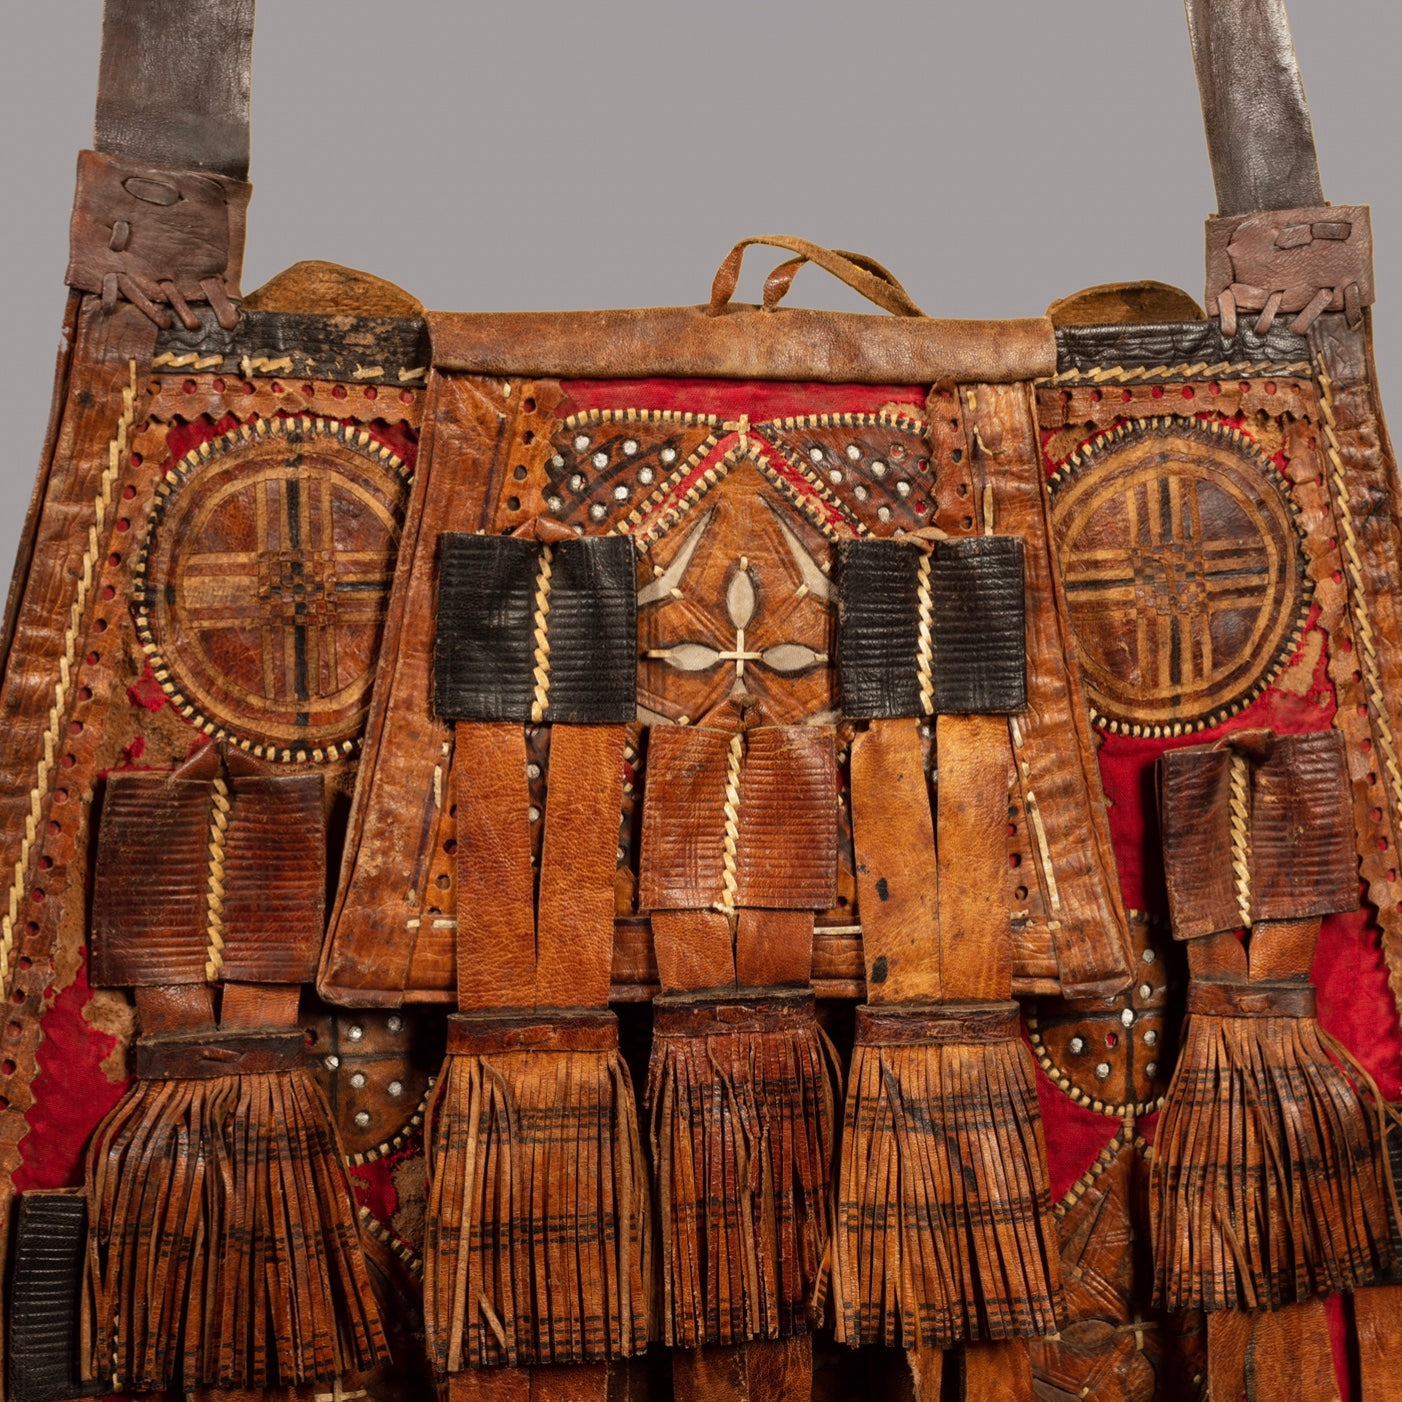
(712,852)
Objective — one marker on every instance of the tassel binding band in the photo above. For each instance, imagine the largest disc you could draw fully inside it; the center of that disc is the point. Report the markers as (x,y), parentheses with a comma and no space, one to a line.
(225,1250)
(537,1245)
(1267,1186)
(741,1092)
(945,1231)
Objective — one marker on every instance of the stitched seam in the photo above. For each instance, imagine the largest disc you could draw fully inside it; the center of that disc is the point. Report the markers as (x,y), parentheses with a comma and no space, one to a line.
(192,361)
(1120,374)
(214,903)
(116,453)
(542,636)
(924,650)
(1241,839)
(730,885)
(1362,626)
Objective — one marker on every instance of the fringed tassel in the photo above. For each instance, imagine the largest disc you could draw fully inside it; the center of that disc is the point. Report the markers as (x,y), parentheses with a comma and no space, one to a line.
(224,1249)
(1267,1185)
(741,1093)
(538,1237)
(945,1230)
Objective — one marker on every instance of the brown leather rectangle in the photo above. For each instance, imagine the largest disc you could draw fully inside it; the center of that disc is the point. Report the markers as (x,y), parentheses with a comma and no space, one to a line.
(274,878)
(792,343)
(787,857)
(1196,828)
(684,821)
(150,889)
(536,1030)
(1302,858)
(204,1056)
(919,1024)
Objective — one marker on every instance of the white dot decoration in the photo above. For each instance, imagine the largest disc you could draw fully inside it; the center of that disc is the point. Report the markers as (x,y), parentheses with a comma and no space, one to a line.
(598,511)
(854,453)
(581,443)
(358,1080)
(577,482)
(834,477)
(902,489)
(645,476)
(1151,1038)
(362,1119)
(557,461)
(600,459)
(1127,1017)
(620,493)
(668,455)
(630,446)
(815,455)
(1102,1070)
(395,1023)
(395,1088)
(878,468)
(1078,1045)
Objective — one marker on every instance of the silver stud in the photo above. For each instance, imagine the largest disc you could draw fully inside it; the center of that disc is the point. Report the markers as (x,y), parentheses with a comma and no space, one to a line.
(358,1080)
(362,1119)
(878,468)
(1148,956)
(630,446)
(554,503)
(668,455)
(533,813)
(620,493)
(1151,1038)
(577,482)
(860,492)
(332,1062)
(1146,990)
(835,477)
(815,454)
(1151,1070)
(598,511)
(354,1032)
(1127,1017)
(395,1088)
(581,442)
(902,489)
(557,461)
(645,475)
(883,513)
(1102,1071)
(395,1023)
(1078,1045)
(622,855)
(854,453)
(600,459)
(533,770)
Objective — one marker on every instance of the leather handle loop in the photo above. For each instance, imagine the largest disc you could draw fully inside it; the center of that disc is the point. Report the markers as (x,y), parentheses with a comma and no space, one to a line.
(860,273)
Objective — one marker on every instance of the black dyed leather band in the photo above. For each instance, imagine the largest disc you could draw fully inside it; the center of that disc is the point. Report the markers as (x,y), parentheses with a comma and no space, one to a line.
(497,596)
(42,1333)
(977,661)
(173,83)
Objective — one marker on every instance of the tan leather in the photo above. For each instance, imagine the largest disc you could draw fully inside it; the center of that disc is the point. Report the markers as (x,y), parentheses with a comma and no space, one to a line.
(314,287)
(1289,1356)
(743,344)
(999,1371)
(1124,303)
(180,1005)
(773,947)
(976,951)
(1228,1334)
(695,949)
(258,1005)
(765,1370)
(1377,1318)
(897,880)
(860,273)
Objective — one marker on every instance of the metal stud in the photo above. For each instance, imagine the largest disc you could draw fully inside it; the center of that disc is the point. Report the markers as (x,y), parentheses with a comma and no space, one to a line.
(668,455)
(395,1023)
(1078,1045)
(645,475)
(1151,1038)
(358,1080)
(1102,1071)
(581,442)
(854,453)
(354,1032)
(395,1088)
(362,1119)
(600,459)
(1151,1070)
(332,1062)
(630,446)
(1127,1017)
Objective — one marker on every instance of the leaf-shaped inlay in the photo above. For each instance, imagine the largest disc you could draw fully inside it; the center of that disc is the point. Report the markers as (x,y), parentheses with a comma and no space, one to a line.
(740,597)
(791,657)
(689,657)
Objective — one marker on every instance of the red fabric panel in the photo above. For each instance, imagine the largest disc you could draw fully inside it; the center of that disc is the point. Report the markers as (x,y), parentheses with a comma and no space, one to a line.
(728,399)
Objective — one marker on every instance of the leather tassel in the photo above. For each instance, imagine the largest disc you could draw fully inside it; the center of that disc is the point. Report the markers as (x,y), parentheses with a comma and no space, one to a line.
(224,1249)
(742,1097)
(538,1235)
(1267,1186)
(944,1225)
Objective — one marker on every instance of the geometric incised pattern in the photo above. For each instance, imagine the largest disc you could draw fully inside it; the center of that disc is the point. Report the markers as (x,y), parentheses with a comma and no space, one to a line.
(1184,567)
(262,586)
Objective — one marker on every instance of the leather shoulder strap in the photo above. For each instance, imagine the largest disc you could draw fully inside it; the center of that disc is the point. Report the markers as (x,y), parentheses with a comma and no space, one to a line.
(1259,136)
(173,84)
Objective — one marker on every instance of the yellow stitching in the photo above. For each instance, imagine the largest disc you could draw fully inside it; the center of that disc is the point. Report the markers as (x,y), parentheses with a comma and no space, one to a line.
(418,372)
(116,452)
(218,835)
(542,637)
(263,365)
(192,361)
(1241,839)
(1034,813)
(1119,374)
(988,509)
(374,1227)
(732,824)
(1086,1181)
(924,651)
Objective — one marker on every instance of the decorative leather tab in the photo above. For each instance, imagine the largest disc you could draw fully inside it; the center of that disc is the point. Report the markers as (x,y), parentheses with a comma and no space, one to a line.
(539,1030)
(921,1024)
(1300,261)
(150,888)
(42,1329)
(938,630)
(745,1010)
(1251,999)
(740,819)
(158,238)
(203,1057)
(532,631)
(1257,829)
(272,871)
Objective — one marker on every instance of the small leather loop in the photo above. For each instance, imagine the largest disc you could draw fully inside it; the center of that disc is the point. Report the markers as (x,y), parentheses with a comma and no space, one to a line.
(860,273)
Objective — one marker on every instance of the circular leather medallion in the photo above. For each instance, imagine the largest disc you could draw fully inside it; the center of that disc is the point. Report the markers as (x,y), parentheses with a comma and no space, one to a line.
(264,582)
(1184,569)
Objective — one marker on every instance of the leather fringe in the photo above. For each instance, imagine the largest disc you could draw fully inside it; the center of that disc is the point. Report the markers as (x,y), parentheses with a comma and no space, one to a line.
(944,1216)
(538,1237)
(743,1125)
(1267,1182)
(224,1248)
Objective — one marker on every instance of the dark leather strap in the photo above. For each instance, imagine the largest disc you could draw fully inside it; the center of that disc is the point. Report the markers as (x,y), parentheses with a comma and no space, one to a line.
(173,84)
(43,1325)
(536,1030)
(1259,135)
(205,1056)
(1251,999)
(744,1010)
(925,1023)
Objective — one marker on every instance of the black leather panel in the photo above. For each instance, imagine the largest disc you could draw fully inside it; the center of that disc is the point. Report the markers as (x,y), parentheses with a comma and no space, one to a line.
(486,660)
(45,1288)
(980,640)
(878,629)
(1171,344)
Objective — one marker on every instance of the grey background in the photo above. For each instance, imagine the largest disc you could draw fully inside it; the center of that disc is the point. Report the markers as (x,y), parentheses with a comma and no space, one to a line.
(995,154)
